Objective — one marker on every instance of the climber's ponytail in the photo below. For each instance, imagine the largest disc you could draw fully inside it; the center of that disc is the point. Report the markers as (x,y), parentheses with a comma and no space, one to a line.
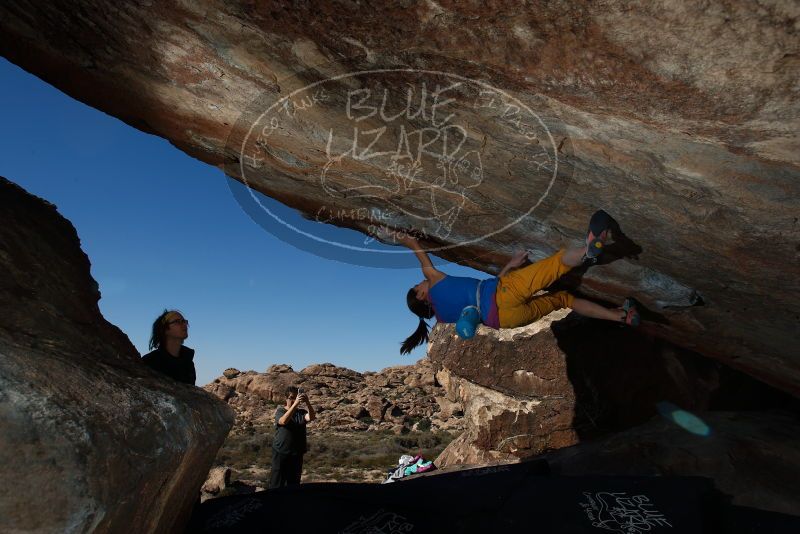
(423,310)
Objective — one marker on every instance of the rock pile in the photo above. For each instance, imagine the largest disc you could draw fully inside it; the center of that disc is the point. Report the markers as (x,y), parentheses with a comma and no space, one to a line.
(400,398)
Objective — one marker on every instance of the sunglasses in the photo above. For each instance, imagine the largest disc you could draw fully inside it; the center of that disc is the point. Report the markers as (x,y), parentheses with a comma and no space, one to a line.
(179,321)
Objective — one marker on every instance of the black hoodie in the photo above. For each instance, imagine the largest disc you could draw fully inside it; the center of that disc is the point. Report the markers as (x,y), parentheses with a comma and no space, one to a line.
(180,368)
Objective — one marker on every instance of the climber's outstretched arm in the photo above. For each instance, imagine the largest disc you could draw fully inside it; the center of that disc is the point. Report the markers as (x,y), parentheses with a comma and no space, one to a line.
(432,274)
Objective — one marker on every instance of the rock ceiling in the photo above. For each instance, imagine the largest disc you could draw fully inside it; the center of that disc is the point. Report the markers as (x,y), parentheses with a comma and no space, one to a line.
(487,127)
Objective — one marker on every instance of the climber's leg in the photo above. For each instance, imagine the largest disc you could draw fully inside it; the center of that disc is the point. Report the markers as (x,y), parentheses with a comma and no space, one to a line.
(587,308)
(538,307)
(628,313)
(519,286)
(533,309)
(573,257)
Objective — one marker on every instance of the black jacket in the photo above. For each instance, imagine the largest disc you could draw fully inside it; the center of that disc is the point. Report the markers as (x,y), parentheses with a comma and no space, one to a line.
(180,368)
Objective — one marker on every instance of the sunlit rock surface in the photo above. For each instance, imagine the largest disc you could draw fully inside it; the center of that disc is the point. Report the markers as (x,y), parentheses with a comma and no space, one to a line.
(679,118)
(91,439)
(399,398)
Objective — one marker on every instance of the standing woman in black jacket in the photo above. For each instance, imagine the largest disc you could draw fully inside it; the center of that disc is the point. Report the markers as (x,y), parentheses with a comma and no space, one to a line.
(170,356)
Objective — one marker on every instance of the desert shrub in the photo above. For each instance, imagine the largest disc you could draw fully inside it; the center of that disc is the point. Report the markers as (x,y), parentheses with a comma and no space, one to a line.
(424,425)
(245,448)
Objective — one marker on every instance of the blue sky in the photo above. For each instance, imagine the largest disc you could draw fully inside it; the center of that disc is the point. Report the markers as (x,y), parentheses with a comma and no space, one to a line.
(163,230)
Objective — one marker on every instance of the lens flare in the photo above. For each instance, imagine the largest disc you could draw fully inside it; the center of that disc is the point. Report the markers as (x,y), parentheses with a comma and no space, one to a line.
(687,421)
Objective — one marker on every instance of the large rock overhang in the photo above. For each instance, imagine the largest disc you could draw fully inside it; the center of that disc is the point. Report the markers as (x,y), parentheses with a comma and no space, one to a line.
(679,120)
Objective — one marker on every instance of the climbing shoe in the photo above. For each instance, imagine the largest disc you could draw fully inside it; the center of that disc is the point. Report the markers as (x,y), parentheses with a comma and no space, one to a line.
(631,309)
(599,225)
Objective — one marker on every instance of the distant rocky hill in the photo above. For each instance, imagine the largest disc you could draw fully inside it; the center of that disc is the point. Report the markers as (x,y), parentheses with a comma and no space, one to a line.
(399,399)
(365,421)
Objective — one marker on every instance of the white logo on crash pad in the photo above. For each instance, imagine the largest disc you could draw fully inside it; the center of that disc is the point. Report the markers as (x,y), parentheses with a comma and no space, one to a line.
(620,513)
(380,521)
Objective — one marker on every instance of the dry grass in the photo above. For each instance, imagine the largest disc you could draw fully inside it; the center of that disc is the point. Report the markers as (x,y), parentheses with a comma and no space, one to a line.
(332,456)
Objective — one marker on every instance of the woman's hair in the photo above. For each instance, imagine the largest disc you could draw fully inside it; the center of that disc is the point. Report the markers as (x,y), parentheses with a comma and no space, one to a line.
(423,310)
(292,390)
(160,326)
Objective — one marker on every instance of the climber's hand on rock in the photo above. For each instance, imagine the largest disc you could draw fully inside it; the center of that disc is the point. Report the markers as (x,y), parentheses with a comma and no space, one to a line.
(382,233)
(406,239)
(391,236)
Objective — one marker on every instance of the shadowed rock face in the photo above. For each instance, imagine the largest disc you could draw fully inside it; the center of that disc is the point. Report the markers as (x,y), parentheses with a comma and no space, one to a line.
(752,456)
(679,118)
(591,390)
(91,440)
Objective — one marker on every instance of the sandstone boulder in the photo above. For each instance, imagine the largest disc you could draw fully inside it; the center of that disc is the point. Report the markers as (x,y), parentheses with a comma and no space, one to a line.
(376,406)
(218,479)
(566,379)
(280,368)
(331,371)
(355,411)
(92,440)
(231,373)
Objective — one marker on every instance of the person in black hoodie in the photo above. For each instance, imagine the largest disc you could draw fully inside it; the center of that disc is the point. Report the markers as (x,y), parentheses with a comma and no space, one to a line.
(170,356)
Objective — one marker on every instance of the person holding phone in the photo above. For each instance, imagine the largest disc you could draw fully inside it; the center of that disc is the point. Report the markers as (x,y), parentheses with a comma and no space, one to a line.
(289,444)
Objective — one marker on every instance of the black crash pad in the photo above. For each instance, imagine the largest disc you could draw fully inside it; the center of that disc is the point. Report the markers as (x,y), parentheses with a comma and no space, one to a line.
(505,499)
